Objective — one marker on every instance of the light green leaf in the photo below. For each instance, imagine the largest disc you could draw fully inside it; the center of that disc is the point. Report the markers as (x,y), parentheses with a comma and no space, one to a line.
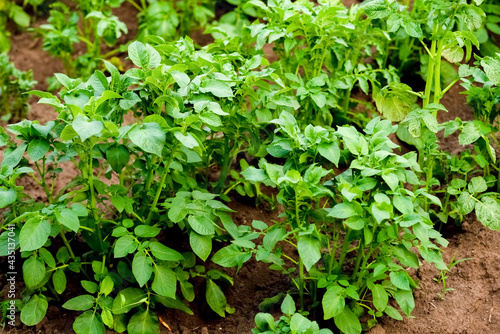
(491,67)
(127,299)
(309,250)
(37,149)
(469,134)
(348,322)
(333,302)
(217,88)
(34,234)
(150,137)
(145,322)
(288,305)
(68,218)
(33,271)
(201,245)
(400,280)
(201,224)
(142,267)
(7,197)
(488,212)
(34,310)
(216,298)
(165,281)
(80,303)
(89,323)
(380,297)
(477,185)
(345,210)
(164,253)
(86,129)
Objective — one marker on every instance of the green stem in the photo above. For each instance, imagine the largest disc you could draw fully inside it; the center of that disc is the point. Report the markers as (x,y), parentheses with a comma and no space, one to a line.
(301,284)
(66,243)
(93,205)
(225,165)
(152,208)
(437,74)
(344,252)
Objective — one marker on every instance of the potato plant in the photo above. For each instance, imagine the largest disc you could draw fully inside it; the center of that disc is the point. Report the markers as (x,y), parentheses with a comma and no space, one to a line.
(14,84)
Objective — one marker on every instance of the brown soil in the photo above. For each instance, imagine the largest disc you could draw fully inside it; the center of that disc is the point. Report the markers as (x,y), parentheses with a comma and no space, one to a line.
(473,307)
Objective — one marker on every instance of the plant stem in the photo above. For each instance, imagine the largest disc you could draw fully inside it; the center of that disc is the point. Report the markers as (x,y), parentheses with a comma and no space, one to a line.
(93,205)
(152,208)
(301,284)
(66,243)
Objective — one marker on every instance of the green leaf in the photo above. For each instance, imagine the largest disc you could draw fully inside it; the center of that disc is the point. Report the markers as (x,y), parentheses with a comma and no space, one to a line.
(201,245)
(145,322)
(19,16)
(89,323)
(412,28)
(90,287)
(124,246)
(333,302)
(117,157)
(201,224)
(188,140)
(149,137)
(231,256)
(107,285)
(127,299)
(380,297)
(34,234)
(288,306)
(400,280)
(405,301)
(477,185)
(68,218)
(377,9)
(394,102)
(14,157)
(330,151)
(469,134)
(393,313)
(309,250)
(143,56)
(7,197)
(465,203)
(164,253)
(33,271)
(86,129)
(59,281)
(403,204)
(217,88)
(488,212)
(346,210)
(147,231)
(216,298)
(165,281)
(142,267)
(491,67)
(47,257)
(80,303)
(34,310)
(348,322)
(272,237)
(37,149)
(254,175)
